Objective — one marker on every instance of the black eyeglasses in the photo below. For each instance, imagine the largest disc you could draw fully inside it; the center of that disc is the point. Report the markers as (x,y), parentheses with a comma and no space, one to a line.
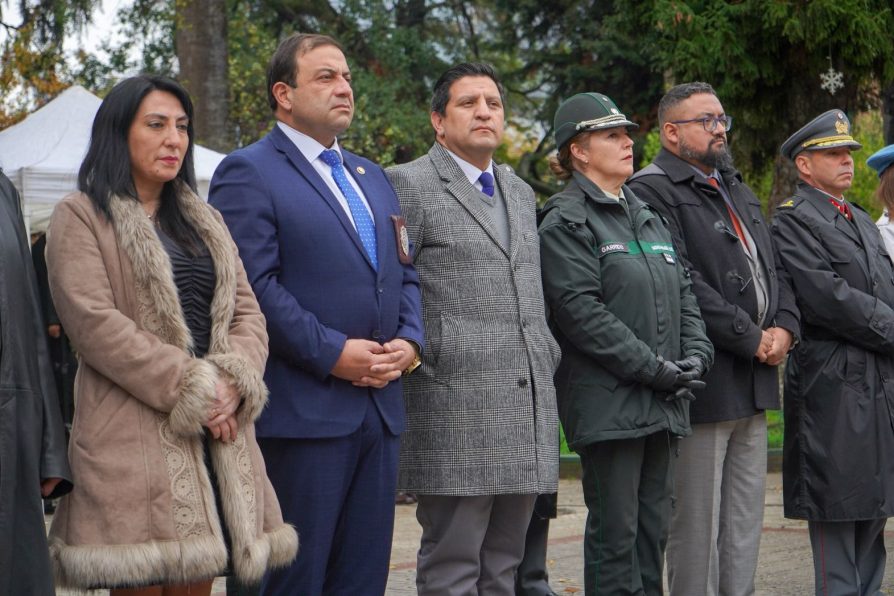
(710,123)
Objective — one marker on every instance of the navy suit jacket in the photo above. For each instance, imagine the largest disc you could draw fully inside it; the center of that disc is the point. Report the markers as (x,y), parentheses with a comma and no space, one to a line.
(315,283)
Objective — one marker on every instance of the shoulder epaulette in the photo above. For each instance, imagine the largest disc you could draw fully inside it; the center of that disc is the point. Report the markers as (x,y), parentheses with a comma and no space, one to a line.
(571,208)
(787,204)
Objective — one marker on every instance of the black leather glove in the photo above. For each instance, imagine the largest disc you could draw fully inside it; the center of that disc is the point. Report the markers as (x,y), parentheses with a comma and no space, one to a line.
(666,378)
(681,393)
(693,367)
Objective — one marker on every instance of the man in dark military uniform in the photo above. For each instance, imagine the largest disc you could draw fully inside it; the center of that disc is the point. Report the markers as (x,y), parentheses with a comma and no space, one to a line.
(838,467)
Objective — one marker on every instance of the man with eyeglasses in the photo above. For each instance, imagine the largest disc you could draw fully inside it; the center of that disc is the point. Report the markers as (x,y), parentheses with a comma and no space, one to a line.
(838,462)
(750,314)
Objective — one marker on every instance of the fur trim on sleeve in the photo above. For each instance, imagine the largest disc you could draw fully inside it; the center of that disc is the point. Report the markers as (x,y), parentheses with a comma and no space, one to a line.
(248,382)
(283,546)
(196,395)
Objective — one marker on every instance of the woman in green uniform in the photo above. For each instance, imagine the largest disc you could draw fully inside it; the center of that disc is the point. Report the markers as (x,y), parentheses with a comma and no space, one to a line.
(633,344)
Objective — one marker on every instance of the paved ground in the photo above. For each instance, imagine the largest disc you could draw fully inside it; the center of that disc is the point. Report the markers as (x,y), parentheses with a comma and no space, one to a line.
(784,567)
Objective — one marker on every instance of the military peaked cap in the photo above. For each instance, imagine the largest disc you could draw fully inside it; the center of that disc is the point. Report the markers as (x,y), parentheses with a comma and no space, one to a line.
(587,111)
(829,129)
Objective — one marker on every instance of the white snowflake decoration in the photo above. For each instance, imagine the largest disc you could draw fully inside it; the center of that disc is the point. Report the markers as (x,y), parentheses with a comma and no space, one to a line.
(833,80)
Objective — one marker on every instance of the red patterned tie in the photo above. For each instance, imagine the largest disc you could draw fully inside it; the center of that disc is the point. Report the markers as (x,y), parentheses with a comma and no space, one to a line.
(737,225)
(842,207)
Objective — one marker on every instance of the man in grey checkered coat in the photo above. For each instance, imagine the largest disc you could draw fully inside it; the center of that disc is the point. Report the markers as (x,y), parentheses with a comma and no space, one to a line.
(482,430)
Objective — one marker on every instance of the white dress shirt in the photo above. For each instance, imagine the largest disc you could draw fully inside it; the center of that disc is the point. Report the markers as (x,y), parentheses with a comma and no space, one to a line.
(472,172)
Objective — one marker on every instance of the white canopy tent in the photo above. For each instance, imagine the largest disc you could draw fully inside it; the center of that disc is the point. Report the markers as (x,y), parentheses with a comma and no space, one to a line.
(42,153)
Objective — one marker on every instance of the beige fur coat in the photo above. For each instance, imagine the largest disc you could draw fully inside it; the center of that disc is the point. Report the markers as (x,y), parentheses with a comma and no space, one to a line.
(142,510)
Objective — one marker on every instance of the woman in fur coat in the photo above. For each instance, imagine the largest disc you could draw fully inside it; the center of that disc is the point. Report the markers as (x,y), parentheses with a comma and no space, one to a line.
(170,487)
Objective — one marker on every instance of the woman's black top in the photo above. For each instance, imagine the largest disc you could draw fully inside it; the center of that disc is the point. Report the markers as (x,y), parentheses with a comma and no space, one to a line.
(194,277)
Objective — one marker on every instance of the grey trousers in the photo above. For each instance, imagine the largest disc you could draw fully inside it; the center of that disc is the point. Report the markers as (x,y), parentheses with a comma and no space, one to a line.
(471,545)
(848,557)
(716,523)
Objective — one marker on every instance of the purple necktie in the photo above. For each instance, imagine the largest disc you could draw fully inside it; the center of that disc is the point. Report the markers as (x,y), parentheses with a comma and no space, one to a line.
(487,183)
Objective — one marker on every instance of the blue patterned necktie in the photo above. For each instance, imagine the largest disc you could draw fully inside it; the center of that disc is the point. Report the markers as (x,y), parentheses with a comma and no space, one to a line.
(363,221)
(487,183)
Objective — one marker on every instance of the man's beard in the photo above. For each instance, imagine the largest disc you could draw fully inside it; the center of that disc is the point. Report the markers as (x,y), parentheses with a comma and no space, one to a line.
(712,157)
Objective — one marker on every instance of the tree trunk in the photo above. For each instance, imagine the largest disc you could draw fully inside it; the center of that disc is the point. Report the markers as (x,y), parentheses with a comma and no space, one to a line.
(201,42)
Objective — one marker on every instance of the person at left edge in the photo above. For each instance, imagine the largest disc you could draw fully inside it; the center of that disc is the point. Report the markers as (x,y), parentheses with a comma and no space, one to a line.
(33,459)
(321,235)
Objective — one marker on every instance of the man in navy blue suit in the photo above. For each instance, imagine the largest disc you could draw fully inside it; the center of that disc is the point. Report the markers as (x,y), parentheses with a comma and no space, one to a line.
(320,233)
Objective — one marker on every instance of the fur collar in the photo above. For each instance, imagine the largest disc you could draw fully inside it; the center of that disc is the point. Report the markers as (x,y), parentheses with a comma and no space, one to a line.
(159,305)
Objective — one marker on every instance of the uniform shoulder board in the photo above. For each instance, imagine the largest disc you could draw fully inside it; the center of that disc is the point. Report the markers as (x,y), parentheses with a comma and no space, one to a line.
(571,208)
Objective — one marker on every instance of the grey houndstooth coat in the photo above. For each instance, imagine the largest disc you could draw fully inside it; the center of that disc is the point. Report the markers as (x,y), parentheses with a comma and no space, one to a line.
(481,410)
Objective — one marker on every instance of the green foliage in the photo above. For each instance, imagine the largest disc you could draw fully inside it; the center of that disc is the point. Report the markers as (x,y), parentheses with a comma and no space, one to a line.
(775,429)
(32,65)
(765,57)
(868,132)
(250,45)
(651,147)
(563,444)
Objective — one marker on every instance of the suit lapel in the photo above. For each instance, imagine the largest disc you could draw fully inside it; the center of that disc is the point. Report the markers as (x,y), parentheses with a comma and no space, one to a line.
(379,208)
(284,145)
(820,201)
(457,185)
(510,198)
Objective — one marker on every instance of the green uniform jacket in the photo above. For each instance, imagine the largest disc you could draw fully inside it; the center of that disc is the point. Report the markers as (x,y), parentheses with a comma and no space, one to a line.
(618,298)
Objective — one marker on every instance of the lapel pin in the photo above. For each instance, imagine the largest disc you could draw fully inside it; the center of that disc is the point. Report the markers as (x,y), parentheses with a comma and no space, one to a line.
(361,170)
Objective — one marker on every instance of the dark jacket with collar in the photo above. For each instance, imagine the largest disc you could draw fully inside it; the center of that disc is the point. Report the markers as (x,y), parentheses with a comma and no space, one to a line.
(739,385)
(32,438)
(618,298)
(838,462)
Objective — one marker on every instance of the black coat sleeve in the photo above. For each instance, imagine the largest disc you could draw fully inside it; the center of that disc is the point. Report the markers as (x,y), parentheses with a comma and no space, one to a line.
(827,300)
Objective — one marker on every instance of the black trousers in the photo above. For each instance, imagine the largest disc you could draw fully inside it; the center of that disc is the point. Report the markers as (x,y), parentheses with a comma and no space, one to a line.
(531,577)
(628,485)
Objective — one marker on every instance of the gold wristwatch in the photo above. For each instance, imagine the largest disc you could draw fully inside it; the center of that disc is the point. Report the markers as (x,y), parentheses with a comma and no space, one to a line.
(417,361)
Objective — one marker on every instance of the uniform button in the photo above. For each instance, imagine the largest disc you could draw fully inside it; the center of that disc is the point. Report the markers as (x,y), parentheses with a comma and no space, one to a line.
(523,382)
(381,291)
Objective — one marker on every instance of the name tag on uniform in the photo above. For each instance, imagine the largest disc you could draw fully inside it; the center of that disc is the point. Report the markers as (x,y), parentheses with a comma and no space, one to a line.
(612,247)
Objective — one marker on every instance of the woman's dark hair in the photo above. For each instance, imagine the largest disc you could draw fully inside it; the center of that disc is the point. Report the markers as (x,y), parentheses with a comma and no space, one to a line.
(106,170)
(562,165)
